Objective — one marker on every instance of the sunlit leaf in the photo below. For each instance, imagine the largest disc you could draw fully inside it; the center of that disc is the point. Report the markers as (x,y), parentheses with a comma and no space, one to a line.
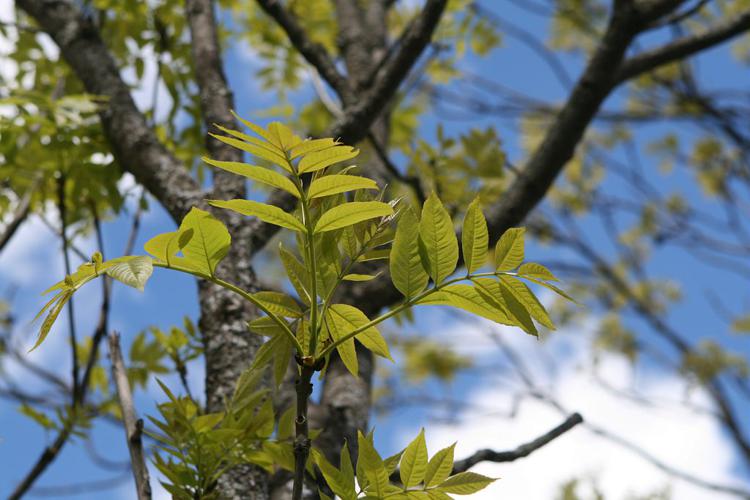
(438,244)
(266,213)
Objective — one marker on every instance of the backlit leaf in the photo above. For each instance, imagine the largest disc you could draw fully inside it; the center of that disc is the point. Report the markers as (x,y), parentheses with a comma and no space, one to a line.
(439,247)
(474,237)
(439,467)
(346,319)
(465,483)
(318,160)
(258,174)
(266,213)
(209,242)
(538,271)
(351,213)
(132,270)
(414,462)
(334,184)
(407,272)
(509,251)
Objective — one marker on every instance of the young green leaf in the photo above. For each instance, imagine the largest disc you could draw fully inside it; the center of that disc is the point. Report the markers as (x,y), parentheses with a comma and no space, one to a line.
(297,273)
(347,349)
(256,150)
(438,244)
(407,272)
(465,483)
(517,310)
(414,462)
(266,213)
(371,464)
(209,243)
(319,160)
(311,146)
(439,467)
(282,136)
(132,270)
(166,245)
(474,237)
(351,213)
(509,251)
(334,184)
(538,271)
(467,298)
(345,319)
(334,477)
(55,306)
(526,297)
(279,303)
(258,174)
(359,277)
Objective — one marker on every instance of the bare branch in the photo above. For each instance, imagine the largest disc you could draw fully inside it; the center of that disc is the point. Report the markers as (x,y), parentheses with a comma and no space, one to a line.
(354,126)
(19,215)
(314,53)
(522,451)
(683,47)
(134,143)
(133,427)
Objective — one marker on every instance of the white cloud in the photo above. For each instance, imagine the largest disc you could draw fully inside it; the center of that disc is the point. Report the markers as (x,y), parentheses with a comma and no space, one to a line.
(677,436)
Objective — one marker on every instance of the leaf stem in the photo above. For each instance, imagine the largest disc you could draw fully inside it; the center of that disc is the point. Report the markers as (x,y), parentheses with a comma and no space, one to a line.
(242,293)
(404,305)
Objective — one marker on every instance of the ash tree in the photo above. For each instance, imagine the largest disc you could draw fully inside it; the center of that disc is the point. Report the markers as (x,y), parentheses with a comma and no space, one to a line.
(375,216)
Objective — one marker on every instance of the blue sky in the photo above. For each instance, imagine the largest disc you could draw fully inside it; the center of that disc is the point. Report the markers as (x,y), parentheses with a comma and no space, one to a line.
(32,261)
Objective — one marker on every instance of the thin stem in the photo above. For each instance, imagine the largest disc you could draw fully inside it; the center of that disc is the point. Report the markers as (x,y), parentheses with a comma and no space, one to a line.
(302,439)
(313,273)
(242,293)
(404,305)
(75,370)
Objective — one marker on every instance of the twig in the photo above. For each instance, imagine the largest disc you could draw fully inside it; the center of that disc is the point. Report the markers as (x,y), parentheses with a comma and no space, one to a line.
(133,426)
(19,215)
(522,451)
(684,47)
(314,53)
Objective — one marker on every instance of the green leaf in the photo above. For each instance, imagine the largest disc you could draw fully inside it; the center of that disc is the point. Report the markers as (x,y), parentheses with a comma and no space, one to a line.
(340,485)
(310,146)
(345,319)
(407,272)
(266,326)
(279,303)
(538,271)
(371,464)
(166,245)
(474,237)
(297,273)
(517,310)
(439,467)
(258,174)
(334,184)
(132,270)
(509,251)
(55,306)
(347,349)
(527,298)
(438,244)
(266,213)
(255,128)
(465,483)
(282,136)
(414,462)
(552,287)
(209,241)
(256,150)
(317,160)
(467,298)
(351,213)
(359,277)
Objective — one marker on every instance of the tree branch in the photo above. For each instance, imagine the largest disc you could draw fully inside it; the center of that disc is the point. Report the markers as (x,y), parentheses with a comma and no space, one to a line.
(354,126)
(133,427)
(314,53)
(683,47)
(133,142)
(19,215)
(522,451)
